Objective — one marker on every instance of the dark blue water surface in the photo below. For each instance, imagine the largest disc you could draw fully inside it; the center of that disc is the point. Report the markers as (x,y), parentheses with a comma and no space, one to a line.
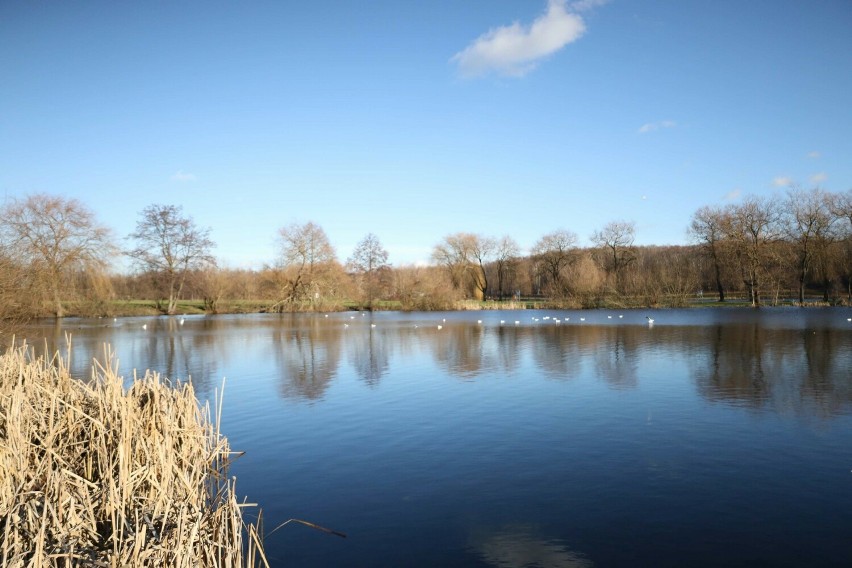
(713,437)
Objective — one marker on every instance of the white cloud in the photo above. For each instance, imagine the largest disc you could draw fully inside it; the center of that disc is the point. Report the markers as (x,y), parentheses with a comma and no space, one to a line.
(651,126)
(583,5)
(516,49)
(733,195)
(183,176)
(782,181)
(813,155)
(819,178)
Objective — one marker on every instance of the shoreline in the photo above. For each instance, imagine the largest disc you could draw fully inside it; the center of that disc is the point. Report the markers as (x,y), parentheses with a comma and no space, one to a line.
(193,308)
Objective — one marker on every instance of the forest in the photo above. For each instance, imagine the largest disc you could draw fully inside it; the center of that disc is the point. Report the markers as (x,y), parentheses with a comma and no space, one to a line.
(57,259)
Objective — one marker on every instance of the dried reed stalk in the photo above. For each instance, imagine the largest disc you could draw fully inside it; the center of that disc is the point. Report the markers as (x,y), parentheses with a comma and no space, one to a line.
(98,474)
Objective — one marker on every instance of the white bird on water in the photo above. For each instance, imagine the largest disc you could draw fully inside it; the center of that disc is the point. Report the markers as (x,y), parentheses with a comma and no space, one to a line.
(440,327)
(181,321)
(650,320)
(144,326)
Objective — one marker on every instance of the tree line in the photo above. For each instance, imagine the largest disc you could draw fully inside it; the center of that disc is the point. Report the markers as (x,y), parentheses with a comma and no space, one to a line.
(54,254)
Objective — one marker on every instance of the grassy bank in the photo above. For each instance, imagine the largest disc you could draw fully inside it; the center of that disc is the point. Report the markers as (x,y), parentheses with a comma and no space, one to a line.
(97,473)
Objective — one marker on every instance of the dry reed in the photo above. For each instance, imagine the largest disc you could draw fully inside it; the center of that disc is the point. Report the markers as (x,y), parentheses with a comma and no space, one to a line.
(98,474)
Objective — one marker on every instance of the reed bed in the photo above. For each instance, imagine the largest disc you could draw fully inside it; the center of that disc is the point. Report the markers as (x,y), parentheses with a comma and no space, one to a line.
(99,473)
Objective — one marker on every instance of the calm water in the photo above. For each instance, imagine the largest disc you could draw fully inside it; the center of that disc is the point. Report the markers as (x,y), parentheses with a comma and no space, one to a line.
(712,438)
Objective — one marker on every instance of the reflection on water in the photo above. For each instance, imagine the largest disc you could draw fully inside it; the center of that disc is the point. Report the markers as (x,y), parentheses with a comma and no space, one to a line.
(604,442)
(517,546)
(800,371)
(798,365)
(307,357)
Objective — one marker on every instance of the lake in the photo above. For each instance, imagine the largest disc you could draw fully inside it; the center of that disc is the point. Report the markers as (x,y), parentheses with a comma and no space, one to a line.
(714,437)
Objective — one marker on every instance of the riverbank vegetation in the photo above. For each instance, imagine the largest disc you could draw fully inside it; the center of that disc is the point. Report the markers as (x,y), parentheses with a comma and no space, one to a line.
(97,473)
(55,260)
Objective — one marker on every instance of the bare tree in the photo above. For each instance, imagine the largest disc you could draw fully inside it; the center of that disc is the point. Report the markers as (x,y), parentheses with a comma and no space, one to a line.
(452,253)
(666,275)
(54,239)
(170,245)
(481,250)
(423,288)
(553,253)
(368,259)
(15,306)
(309,265)
(841,208)
(464,256)
(810,225)
(585,280)
(752,228)
(211,284)
(616,240)
(707,230)
(506,252)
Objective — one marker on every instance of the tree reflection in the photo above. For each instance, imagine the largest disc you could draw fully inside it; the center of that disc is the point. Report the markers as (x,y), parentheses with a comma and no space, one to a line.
(522,546)
(791,371)
(557,352)
(164,346)
(735,360)
(369,356)
(307,355)
(616,358)
(457,349)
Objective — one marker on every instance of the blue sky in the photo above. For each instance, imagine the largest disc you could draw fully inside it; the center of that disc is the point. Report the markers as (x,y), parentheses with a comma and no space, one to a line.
(415,120)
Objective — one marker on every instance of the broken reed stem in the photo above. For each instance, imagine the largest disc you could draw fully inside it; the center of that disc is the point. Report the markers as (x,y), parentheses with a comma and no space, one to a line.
(96,474)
